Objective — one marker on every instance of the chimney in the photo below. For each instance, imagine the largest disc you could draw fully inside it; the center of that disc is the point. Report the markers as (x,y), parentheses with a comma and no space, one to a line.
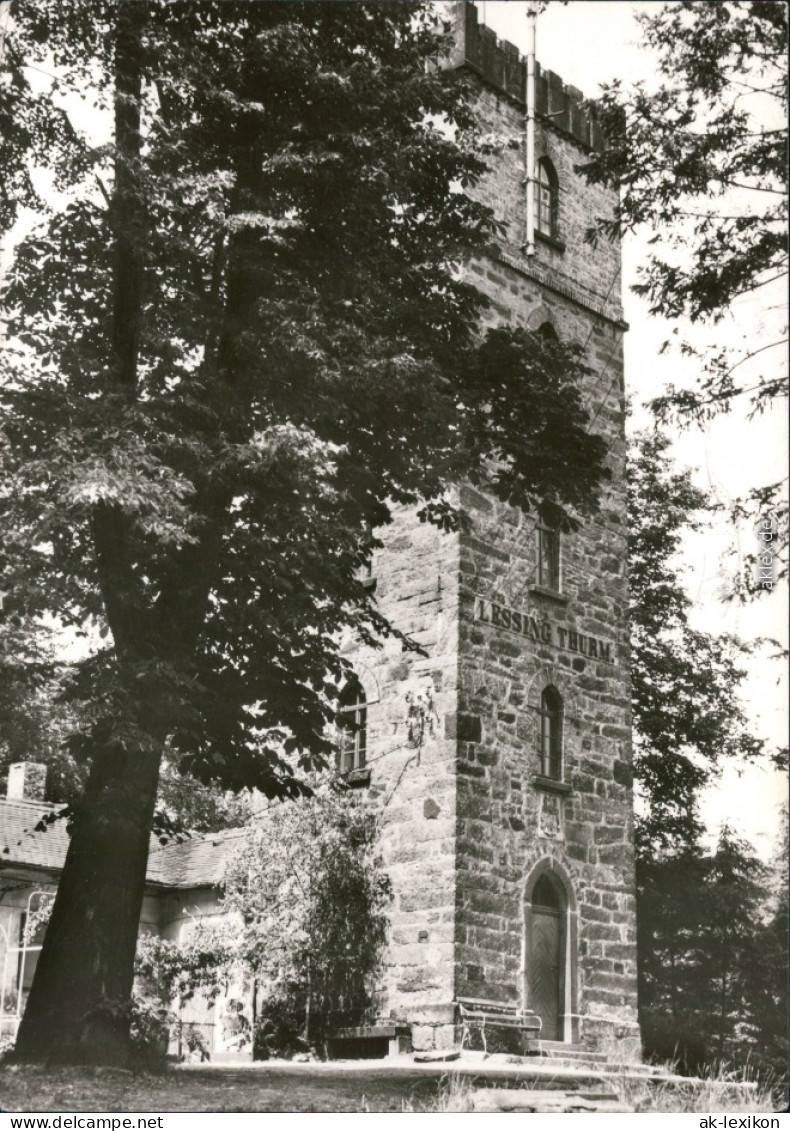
(27,781)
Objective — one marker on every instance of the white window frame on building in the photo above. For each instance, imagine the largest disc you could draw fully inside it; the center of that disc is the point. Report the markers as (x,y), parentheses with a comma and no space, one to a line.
(352,724)
(20,957)
(547,203)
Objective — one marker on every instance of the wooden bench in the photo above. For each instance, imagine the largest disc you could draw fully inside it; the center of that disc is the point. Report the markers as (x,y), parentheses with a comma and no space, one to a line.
(482,1014)
(369,1041)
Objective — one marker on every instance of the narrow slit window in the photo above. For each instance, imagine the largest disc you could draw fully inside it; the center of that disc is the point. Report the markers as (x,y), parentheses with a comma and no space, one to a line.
(549,558)
(551,720)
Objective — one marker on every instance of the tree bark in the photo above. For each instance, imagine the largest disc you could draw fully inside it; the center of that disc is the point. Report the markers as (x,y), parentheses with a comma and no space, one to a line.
(78,1009)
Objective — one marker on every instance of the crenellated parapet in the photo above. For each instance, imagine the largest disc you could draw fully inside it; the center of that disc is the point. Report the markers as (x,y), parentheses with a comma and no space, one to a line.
(503,66)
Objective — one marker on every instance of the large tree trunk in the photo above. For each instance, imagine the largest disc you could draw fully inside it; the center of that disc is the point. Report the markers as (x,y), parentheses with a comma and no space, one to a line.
(78,1009)
(79,1004)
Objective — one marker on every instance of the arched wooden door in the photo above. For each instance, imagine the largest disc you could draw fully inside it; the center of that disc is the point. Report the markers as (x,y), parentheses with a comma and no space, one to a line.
(546,944)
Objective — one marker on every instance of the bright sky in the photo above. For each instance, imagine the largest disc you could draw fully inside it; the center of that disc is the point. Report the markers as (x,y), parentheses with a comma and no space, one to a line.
(589,42)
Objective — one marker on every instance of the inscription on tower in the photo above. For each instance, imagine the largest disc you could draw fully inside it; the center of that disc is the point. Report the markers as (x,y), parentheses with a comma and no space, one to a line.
(542,630)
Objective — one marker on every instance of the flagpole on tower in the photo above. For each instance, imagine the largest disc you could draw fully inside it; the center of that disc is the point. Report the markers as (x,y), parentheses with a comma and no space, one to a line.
(529,98)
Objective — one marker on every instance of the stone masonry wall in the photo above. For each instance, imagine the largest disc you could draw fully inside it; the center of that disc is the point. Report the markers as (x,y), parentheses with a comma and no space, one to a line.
(411,757)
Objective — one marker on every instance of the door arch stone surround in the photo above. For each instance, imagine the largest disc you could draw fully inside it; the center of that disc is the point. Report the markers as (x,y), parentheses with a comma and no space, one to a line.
(552,868)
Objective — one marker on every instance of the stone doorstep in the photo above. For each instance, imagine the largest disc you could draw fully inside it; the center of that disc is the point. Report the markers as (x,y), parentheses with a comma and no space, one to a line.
(546,1101)
(558,1050)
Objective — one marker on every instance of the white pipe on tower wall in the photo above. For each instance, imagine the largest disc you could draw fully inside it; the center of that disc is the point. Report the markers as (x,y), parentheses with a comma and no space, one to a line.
(5,23)
(529,178)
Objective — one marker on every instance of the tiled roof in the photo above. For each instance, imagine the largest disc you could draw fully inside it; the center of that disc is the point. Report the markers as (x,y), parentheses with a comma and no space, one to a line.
(21,844)
(198,861)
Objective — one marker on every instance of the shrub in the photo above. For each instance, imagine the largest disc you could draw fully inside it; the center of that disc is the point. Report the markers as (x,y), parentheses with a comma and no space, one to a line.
(312,896)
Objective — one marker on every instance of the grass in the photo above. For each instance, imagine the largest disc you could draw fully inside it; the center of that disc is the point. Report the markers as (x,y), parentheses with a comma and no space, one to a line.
(714,1096)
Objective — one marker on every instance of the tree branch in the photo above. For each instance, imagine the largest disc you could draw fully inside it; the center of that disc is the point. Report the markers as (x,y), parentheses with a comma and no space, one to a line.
(754,353)
(753,188)
(19,65)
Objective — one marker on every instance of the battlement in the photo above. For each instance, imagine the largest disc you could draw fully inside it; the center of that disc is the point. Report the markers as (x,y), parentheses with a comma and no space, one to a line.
(503,66)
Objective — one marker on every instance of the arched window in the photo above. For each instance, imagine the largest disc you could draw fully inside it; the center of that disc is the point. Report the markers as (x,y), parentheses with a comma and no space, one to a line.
(551,734)
(548,572)
(547,332)
(547,199)
(352,724)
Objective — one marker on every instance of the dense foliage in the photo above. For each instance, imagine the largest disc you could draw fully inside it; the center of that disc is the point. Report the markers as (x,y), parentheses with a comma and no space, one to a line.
(33,729)
(701,159)
(688,717)
(711,932)
(185,803)
(174,972)
(700,156)
(713,960)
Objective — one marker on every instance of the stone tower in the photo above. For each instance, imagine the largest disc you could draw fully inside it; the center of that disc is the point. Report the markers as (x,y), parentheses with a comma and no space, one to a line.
(500,760)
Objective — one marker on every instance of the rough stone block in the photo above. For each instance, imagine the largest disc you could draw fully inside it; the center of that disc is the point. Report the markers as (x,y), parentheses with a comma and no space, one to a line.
(430,809)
